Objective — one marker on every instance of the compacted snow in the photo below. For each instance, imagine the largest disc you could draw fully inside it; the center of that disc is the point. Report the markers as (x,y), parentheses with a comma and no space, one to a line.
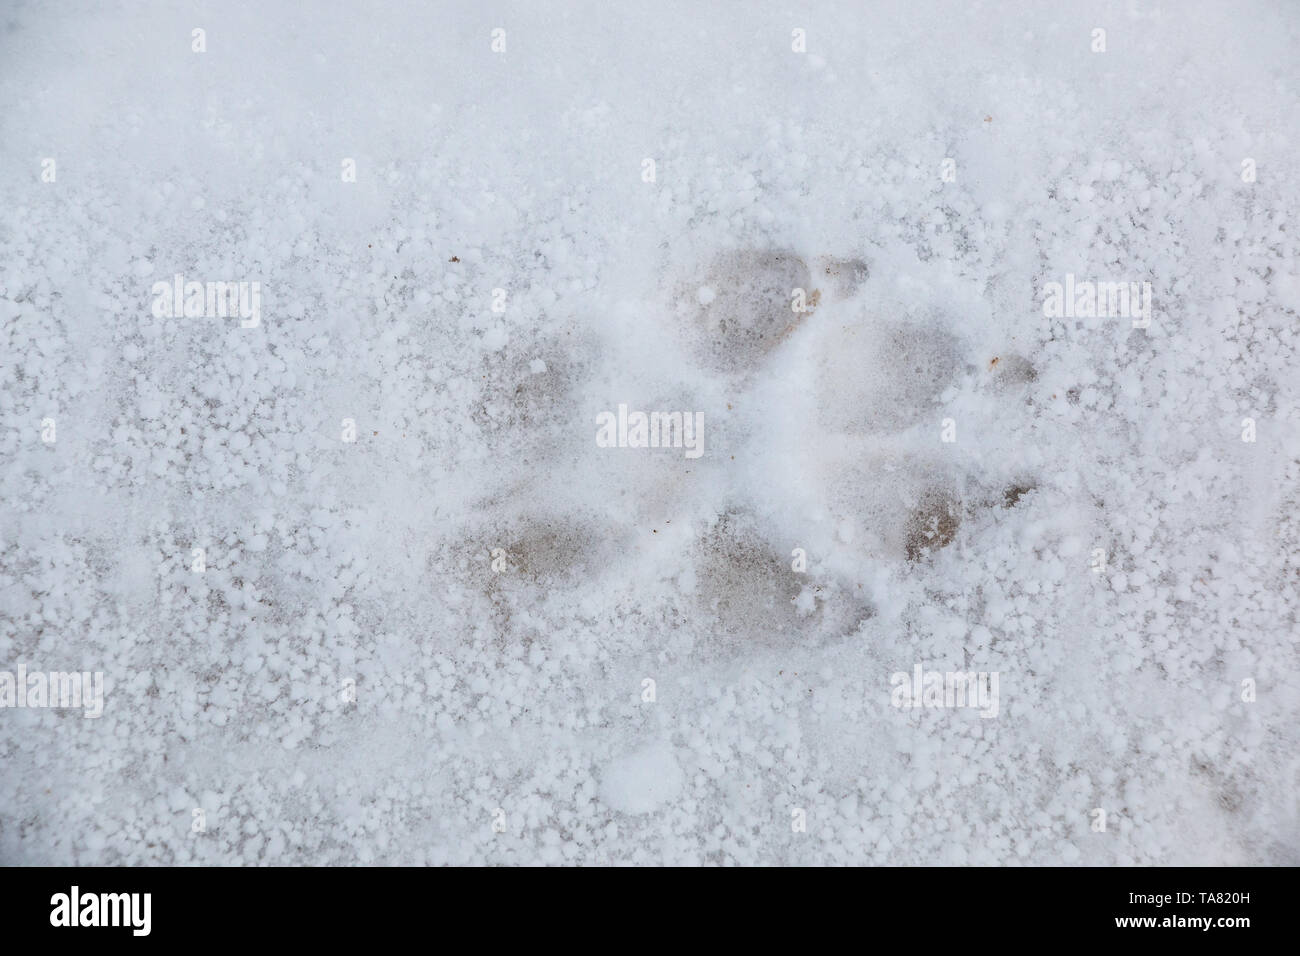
(981,326)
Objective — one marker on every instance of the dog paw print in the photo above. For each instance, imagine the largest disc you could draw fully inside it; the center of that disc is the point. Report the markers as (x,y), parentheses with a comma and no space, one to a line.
(875,482)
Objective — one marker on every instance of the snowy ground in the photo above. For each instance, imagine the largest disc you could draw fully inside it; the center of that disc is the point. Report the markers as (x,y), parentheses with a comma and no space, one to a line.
(1097,533)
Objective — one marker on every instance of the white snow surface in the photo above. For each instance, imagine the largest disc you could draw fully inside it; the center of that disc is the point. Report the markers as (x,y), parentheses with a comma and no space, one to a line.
(504,716)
